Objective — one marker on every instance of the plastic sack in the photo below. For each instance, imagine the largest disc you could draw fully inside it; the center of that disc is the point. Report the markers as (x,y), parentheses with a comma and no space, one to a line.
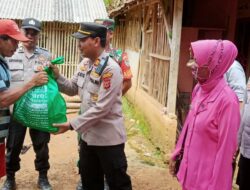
(41,106)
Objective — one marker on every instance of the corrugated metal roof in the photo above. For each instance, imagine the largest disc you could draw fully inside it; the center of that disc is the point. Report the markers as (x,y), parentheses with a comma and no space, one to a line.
(73,11)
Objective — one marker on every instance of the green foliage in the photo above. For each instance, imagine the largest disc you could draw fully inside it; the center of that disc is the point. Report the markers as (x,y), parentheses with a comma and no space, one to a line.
(107,2)
(135,115)
(138,131)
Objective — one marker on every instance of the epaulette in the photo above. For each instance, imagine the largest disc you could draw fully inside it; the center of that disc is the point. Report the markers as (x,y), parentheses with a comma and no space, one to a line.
(102,65)
(43,49)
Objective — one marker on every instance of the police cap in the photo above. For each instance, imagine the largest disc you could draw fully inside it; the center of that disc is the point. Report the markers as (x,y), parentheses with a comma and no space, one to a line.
(109,23)
(90,29)
(31,23)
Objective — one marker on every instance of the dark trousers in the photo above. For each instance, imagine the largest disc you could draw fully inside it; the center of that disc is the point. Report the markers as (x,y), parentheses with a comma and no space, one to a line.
(243,177)
(97,161)
(14,145)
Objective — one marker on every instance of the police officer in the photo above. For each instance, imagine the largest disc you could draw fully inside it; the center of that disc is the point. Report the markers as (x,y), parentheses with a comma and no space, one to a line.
(121,58)
(117,54)
(27,60)
(98,81)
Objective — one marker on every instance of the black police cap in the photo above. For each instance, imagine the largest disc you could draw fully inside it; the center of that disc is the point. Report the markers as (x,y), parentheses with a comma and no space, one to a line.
(31,23)
(92,29)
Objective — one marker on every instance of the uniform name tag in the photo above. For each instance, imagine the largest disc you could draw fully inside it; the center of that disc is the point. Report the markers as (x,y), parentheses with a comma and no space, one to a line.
(16,60)
(80,74)
(16,65)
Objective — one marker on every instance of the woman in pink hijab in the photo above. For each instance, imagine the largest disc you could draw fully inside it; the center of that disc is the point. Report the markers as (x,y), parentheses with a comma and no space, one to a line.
(209,134)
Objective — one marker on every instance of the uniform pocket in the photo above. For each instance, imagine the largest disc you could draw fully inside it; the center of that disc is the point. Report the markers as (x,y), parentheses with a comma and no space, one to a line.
(16,71)
(93,89)
(93,86)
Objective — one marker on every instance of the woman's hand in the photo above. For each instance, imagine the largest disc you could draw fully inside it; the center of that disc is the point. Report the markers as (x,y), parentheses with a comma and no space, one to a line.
(172,167)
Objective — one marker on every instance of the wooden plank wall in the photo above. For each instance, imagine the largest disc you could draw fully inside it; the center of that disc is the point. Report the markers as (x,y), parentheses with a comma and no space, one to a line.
(144,29)
(174,62)
(160,56)
(127,33)
(56,37)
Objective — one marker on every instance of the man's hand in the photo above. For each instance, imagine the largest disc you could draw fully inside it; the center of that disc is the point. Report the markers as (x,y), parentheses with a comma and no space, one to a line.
(63,127)
(126,85)
(39,79)
(55,70)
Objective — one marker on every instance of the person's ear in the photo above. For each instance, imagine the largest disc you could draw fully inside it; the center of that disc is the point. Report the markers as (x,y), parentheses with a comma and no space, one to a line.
(97,41)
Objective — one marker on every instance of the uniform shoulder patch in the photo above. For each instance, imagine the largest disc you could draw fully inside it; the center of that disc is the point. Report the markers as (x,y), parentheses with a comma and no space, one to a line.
(106,78)
(44,52)
(106,83)
(107,75)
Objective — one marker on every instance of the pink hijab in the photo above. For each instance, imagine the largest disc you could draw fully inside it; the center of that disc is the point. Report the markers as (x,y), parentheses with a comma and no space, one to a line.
(218,55)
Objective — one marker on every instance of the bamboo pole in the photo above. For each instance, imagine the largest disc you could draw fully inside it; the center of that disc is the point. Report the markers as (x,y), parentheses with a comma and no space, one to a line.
(174,63)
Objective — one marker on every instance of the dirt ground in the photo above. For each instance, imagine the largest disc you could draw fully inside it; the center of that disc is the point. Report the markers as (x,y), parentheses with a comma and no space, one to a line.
(146,167)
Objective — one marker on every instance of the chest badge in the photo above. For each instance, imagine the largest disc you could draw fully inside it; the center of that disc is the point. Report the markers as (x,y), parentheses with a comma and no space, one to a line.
(94,74)
(83,67)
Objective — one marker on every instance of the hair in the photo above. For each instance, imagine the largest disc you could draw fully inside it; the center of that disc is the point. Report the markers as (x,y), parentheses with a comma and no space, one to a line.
(4,37)
(102,40)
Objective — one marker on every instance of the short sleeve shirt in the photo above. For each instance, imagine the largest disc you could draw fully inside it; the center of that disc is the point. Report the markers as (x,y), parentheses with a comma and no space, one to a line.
(236,79)
(4,75)
(4,112)
(22,67)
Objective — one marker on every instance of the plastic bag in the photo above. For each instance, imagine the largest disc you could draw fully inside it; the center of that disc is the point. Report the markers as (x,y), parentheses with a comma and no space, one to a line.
(41,106)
